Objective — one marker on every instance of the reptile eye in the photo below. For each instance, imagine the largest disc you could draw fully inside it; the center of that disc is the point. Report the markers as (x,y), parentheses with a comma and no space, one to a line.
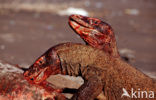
(40,62)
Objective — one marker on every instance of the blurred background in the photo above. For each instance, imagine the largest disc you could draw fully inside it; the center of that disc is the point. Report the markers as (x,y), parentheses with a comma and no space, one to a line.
(29,27)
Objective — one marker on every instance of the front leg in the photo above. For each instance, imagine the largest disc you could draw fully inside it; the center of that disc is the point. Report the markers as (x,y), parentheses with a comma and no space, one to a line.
(93,84)
(89,90)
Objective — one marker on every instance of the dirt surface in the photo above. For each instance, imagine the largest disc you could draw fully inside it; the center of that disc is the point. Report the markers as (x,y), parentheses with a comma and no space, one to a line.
(28,28)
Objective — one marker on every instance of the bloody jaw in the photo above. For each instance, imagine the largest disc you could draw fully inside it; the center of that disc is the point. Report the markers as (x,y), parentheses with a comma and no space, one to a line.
(46,65)
(94,32)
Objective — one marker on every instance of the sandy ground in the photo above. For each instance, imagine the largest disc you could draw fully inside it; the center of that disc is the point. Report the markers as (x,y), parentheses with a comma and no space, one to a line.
(28,29)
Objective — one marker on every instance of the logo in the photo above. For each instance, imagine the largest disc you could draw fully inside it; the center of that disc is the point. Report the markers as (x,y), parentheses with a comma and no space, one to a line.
(137,94)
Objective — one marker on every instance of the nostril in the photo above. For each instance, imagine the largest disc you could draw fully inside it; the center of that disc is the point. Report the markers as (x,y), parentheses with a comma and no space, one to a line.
(32,79)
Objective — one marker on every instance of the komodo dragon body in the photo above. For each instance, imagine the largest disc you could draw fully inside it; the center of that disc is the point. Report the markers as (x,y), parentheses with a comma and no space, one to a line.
(100,72)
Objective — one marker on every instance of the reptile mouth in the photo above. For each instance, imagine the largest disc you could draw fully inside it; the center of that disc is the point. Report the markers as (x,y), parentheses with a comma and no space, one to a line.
(40,77)
(74,24)
(79,29)
(79,26)
(78,20)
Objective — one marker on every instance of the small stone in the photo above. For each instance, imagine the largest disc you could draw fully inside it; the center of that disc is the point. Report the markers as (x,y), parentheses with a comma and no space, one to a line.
(2,47)
(98,5)
(132,12)
(36,15)
(127,54)
(87,3)
(49,27)
(12,22)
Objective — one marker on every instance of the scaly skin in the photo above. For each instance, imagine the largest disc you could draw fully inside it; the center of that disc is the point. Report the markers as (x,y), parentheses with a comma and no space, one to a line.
(100,71)
(95,32)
